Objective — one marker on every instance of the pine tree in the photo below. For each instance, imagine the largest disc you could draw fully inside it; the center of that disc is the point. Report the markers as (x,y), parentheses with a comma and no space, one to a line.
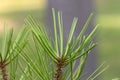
(34,55)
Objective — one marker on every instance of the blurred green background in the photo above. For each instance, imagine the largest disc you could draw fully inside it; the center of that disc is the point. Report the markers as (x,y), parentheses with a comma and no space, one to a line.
(108,16)
(107,13)
(13,12)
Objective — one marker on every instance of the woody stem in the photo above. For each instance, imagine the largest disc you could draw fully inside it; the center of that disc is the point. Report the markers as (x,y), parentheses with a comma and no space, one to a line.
(3,70)
(59,64)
